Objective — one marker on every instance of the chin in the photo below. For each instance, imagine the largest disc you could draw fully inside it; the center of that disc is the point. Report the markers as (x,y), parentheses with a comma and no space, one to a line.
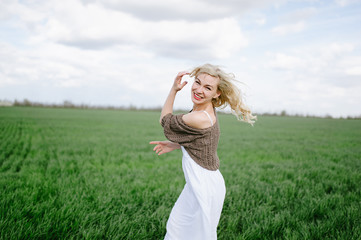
(199,102)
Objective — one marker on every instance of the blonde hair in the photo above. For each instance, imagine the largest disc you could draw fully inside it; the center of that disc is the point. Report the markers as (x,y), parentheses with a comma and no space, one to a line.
(230,93)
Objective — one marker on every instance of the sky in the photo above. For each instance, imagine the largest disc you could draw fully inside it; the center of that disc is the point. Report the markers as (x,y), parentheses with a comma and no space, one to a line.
(303,57)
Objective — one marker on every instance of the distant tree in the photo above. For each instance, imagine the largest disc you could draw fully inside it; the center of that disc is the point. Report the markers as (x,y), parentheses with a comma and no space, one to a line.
(68,104)
(26,102)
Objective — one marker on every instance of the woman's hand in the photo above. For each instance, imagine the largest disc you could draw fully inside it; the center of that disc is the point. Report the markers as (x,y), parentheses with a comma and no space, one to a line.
(178,84)
(164,146)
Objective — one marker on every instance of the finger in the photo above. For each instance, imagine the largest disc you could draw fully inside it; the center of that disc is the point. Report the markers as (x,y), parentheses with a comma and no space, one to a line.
(183,84)
(183,73)
(180,75)
(186,73)
(154,142)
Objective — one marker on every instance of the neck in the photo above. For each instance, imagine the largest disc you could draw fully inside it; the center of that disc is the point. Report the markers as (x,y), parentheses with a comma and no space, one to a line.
(203,107)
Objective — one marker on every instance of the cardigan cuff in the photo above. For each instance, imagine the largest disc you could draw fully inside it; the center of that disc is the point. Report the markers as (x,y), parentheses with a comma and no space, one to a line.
(164,119)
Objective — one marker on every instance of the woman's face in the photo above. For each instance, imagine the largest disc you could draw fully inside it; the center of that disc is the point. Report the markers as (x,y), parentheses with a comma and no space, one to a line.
(204,89)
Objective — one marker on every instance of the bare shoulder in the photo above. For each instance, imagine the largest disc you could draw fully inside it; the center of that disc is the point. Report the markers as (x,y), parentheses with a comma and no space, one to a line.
(196,120)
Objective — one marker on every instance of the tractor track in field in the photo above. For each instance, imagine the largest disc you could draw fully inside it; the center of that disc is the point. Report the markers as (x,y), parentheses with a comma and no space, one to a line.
(6,134)
(7,142)
(23,154)
(49,156)
(15,147)
(44,161)
(12,147)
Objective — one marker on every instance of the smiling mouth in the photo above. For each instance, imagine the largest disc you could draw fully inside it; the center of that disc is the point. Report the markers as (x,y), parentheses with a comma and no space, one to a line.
(196,96)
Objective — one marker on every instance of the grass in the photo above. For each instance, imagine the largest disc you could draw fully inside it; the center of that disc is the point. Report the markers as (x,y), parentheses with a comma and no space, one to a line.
(91,174)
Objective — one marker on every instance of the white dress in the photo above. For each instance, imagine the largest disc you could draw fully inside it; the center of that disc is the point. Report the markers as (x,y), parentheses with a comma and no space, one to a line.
(196,213)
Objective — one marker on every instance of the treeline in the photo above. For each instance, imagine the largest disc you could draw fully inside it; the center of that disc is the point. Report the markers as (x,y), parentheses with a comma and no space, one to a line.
(69,104)
(285,114)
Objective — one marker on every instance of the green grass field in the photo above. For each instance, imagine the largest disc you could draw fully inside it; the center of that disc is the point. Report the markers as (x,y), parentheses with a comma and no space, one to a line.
(91,174)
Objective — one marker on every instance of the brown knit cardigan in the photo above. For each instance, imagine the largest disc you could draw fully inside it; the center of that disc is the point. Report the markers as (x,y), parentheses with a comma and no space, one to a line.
(201,144)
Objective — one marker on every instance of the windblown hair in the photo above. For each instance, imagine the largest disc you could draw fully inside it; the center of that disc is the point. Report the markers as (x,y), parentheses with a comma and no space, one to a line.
(230,93)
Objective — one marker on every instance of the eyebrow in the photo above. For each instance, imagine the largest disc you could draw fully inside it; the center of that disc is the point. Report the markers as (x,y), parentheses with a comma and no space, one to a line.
(207,85)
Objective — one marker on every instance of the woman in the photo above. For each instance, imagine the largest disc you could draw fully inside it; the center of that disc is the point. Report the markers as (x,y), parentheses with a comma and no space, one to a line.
(196,213)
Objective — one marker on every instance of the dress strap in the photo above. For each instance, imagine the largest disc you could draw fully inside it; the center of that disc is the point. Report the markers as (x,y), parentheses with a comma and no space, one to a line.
(209,117)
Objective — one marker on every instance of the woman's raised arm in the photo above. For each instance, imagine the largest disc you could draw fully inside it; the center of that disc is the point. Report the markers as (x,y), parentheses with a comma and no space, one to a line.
(177,86)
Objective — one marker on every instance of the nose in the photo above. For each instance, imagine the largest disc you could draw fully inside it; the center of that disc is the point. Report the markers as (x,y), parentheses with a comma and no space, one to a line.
(199,89)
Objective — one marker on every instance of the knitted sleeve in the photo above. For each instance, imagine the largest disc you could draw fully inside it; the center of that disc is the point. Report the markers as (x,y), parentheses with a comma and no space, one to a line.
(176,130)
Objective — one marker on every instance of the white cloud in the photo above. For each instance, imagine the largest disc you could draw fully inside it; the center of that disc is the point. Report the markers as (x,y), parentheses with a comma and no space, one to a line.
(331,62)
(351,66)
(354,71)
(334,50)
(290,28)
(257,18)
(92,26)
(299,15)
(317,79)
(192,10)
(168,10)
(261,21)
(282,61)
(294,22)
(344,3)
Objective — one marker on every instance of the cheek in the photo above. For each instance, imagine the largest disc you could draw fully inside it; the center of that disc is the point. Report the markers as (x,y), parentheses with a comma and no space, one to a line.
(194,86)
(208,95)
(214,94)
